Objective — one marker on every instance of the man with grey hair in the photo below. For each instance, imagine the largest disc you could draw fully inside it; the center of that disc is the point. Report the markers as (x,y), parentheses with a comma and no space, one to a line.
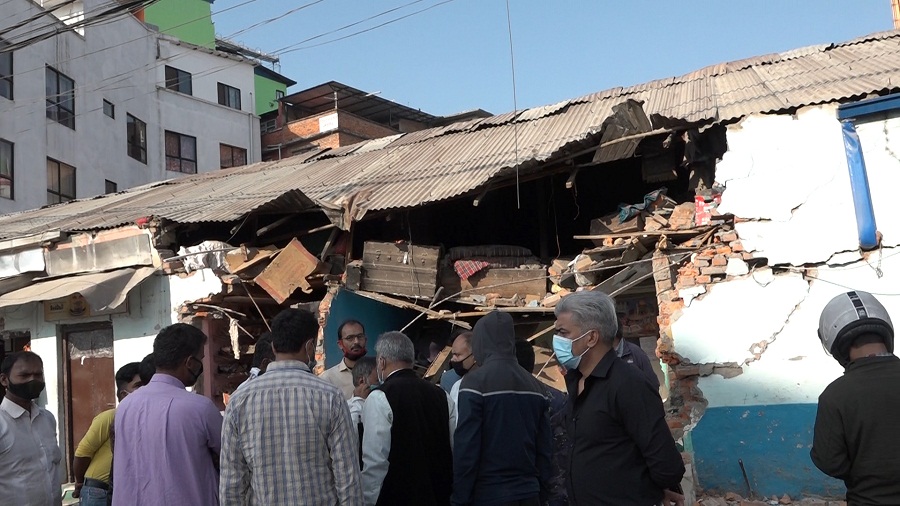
(407,458)
(622,451)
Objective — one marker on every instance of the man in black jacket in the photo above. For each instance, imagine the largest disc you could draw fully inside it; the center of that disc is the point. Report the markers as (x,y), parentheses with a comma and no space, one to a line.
(622,451)
(407,439)
(503,443)
(855,436)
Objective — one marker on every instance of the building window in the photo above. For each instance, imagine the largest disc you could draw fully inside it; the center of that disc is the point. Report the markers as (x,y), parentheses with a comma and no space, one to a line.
(230,156)
(229,96)
(269,125)
(181,153)
(109,109)
(6,170)
(279,94)
(137,139)
(6,71)
(60,182)
(178,80)
(60,98)
(111,187)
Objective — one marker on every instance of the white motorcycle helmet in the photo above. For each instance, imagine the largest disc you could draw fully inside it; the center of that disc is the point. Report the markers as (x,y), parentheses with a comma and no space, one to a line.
(849,316)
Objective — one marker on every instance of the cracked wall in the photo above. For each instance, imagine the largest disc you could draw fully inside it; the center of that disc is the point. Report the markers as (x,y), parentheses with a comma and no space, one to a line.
(746,366)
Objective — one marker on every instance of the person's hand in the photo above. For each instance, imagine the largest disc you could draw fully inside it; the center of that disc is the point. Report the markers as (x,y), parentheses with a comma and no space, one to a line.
(361,390)
(670,497)
(77,492)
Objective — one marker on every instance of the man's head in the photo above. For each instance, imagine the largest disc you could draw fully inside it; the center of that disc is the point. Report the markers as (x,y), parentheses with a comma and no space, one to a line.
(352,339)
(393,351)
(128,379)
(294,334)
(263,354)
(461,359)
(364,376)
(178,352)
(147,369)
(585,324)
(853,325)
(22,374)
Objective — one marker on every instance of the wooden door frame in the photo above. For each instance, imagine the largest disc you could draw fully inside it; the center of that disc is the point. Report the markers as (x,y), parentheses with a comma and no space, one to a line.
(66,375)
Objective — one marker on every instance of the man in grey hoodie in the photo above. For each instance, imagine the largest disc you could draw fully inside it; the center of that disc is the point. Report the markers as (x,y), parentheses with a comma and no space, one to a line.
(503,443)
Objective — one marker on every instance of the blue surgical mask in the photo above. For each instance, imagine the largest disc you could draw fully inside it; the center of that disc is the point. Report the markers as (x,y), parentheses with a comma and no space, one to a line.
(563,348)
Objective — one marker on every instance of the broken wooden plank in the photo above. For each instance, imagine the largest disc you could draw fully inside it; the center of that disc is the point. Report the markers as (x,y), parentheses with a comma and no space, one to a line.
(623,277)
(673,233)
(507,283)
(288,271)
(409,305)
(242,260)
(436,369)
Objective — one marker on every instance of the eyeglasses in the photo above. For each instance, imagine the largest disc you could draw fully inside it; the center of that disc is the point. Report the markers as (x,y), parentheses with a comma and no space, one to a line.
(354,337)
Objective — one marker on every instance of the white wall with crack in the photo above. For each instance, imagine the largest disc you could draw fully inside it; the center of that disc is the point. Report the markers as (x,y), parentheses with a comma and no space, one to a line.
(786,181)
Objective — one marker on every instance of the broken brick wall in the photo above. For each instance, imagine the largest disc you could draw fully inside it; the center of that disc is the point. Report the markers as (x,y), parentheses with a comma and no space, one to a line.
(738,319)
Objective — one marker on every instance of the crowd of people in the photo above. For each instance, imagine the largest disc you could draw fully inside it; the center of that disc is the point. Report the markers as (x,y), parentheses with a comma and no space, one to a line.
(370,431)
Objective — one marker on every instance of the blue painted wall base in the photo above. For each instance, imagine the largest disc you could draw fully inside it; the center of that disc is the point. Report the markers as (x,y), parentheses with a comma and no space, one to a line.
(773,442)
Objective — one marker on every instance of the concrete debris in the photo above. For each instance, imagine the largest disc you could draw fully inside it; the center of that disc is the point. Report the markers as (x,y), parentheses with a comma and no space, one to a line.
(763,276)
(736,267)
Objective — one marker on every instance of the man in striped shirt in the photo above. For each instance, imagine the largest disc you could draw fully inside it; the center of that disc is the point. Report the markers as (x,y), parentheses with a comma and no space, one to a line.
(287,438)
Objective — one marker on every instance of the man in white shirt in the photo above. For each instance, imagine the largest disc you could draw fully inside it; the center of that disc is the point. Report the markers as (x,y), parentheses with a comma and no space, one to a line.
(408,437)
(29,452)
(352,342)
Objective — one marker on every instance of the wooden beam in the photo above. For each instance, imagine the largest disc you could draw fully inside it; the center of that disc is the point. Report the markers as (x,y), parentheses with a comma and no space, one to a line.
(481,197)
(275,224)
(656,233)
(570,183)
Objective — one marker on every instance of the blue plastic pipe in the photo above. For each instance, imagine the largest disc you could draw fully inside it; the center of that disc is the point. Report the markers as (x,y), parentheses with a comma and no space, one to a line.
(859,186)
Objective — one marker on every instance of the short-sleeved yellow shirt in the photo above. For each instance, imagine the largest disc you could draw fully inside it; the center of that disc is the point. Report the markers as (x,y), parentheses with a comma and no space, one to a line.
(95,445)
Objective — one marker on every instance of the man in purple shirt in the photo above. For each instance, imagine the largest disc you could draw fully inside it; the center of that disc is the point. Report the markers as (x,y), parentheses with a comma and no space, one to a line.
(167,439)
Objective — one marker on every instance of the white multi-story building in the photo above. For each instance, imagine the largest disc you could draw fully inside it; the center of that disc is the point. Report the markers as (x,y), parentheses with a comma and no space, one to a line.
(106,103)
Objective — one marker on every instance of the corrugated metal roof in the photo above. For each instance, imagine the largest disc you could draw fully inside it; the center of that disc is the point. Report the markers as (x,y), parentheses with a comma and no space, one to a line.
(448,161)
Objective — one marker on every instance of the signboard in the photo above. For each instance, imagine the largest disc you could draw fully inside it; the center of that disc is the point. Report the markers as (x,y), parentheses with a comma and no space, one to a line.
(328,123)
(74,307)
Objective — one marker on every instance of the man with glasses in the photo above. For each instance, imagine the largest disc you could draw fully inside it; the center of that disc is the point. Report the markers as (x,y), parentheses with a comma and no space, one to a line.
(352,342)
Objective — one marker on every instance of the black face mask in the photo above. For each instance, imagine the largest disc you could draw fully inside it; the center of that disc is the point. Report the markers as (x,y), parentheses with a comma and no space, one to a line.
(195,375)
(458,367)
(29,390)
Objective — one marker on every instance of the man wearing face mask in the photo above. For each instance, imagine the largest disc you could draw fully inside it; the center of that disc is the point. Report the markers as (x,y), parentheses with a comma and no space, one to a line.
(167,440)
(622,451)
(287,436)
(352,342)
(496,461)
(462,361)
(29,453)
(407,456)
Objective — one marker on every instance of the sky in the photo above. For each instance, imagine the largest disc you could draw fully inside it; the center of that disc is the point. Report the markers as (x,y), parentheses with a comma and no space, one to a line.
(455,54)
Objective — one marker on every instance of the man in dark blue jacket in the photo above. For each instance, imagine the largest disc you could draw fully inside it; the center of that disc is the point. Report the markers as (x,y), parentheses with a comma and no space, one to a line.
(503,443)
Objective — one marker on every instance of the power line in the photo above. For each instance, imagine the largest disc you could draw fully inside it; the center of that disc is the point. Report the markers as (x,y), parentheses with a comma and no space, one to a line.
(273,19)
(512,63)
(279,53)
(347,26)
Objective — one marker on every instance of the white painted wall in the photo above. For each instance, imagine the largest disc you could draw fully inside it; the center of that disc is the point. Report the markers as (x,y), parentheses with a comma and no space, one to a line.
(116,61)
(787,176)
(152,306)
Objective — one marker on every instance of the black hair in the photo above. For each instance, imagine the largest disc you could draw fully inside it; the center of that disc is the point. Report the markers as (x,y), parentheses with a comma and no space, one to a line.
(525,355)
(10,360)
(363,368)
(292,328)
(175,343)
(126,373)
(263,349)
(348,322)
(147,369)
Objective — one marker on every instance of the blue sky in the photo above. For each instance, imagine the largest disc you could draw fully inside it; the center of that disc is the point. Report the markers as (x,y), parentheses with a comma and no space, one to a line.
(456,56)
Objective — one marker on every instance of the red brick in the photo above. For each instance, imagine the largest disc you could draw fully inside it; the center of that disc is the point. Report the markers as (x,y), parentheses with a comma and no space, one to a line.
(707,253)
(663,285)
(729,237)
(746,255)
(719,261)
(723,250)
(713,271)
(703,280)
(701,262)
(736,246)
(688,270)
(684,282)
